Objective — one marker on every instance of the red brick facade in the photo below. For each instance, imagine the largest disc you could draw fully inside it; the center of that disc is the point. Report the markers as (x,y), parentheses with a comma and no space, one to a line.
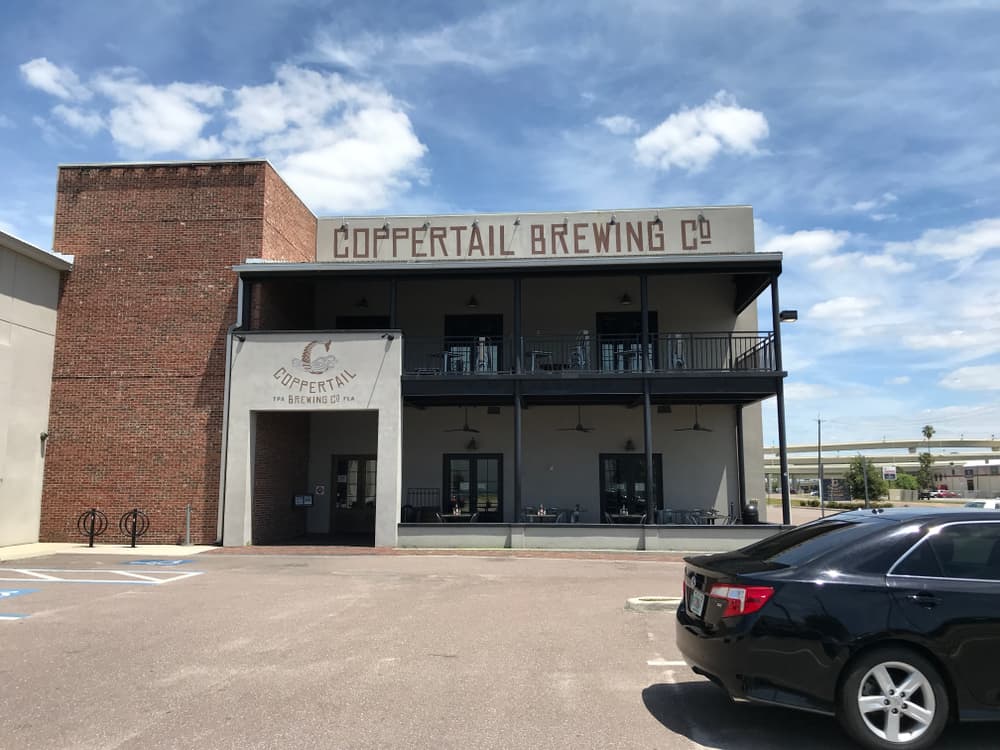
(139,371)
(281,467)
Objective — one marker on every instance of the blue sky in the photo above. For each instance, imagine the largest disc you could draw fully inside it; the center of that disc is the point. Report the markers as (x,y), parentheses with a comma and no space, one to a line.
(864,134)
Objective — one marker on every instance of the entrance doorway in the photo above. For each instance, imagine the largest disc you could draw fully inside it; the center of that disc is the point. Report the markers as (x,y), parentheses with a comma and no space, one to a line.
(352,515)
(623,487)
(473,485)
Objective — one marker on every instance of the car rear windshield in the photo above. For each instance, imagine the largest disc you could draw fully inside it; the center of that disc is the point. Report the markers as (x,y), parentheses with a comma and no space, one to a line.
(805,543)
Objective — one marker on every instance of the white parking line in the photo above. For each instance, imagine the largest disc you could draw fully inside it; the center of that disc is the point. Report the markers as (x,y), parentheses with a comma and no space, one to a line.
(47,575)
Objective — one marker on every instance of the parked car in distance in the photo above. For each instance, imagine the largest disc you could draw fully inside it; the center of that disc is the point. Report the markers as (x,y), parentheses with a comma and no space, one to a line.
(944,493)
(888,619)
(991,504)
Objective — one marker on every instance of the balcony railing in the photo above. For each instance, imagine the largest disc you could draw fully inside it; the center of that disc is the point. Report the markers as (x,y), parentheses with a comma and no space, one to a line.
(585,352)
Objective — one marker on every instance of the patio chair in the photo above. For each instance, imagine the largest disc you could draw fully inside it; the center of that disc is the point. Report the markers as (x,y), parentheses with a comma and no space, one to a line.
(474,517)
(439,519)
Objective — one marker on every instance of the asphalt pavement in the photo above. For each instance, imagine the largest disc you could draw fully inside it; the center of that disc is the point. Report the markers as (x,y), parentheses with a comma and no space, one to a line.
(365,651)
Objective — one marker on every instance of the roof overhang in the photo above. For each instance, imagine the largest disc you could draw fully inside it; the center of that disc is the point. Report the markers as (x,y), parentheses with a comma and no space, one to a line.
(52,260)
(752,271)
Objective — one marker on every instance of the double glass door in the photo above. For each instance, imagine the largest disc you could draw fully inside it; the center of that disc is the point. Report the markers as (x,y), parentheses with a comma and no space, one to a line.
(473,484)
(624,495)
(354,493)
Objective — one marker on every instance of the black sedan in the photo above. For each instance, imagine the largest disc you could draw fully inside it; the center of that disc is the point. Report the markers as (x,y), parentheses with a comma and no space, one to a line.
(888,619)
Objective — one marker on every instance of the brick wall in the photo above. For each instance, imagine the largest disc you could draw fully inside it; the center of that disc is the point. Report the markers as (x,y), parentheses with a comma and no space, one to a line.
(138,379)
(281,466)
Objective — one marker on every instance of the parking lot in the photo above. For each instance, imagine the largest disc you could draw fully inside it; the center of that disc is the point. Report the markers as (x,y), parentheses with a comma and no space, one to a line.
(365,651)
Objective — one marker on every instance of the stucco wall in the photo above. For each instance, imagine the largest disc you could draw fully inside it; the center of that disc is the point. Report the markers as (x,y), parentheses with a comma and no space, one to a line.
(29,293)
(358,372)
(562,469)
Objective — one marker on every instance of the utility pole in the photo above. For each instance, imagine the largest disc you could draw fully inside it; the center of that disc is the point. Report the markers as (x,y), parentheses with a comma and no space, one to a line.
(864,473)
(819,463)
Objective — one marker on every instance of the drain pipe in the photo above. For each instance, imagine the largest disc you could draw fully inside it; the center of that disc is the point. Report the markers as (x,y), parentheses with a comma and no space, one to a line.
(225,407)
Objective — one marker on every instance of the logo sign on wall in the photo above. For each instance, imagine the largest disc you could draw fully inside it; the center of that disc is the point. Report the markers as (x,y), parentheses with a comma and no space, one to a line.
(316,376)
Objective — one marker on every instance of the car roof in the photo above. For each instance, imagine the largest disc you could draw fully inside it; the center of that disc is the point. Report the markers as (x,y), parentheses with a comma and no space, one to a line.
(909,514)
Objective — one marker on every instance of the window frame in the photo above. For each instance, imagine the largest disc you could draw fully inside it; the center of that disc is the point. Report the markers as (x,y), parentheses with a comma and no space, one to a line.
(931,531)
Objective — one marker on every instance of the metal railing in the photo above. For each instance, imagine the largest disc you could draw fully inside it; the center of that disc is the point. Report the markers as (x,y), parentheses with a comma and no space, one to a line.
(585,352)
(457,355)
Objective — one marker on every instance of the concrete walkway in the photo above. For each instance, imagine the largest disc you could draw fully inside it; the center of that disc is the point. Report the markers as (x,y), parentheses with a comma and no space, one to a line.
(41,549)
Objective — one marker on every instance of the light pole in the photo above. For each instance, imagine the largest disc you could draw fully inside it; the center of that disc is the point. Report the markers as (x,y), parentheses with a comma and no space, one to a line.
(864,473)
(819,463)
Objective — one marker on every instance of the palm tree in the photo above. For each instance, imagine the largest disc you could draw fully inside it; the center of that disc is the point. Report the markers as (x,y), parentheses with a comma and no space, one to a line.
(928,432)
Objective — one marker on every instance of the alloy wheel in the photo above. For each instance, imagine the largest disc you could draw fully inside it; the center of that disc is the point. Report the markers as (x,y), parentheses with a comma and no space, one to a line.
(896,702)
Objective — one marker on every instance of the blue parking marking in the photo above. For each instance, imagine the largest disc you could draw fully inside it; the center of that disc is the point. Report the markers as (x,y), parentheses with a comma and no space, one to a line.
(157,562)
(10,594)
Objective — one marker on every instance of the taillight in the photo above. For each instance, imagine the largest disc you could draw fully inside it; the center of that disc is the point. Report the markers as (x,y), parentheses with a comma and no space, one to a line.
(741,600)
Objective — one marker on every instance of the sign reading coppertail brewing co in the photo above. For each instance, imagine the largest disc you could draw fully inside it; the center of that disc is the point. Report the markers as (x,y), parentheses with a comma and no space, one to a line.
(497,237)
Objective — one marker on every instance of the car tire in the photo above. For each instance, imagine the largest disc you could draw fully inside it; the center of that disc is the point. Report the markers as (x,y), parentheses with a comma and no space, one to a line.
(877,714)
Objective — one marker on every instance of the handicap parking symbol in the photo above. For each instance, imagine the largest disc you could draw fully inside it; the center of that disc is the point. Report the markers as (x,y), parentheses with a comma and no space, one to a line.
(158,562)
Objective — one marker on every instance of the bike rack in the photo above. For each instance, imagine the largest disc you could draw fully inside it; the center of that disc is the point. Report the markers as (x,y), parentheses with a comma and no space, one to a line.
(134,523)
(92,523)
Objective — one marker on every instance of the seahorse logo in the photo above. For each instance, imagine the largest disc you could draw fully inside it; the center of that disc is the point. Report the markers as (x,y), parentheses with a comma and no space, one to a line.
(315,365)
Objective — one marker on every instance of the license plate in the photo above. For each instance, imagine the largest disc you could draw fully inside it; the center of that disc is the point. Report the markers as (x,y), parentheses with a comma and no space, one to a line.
(696,602)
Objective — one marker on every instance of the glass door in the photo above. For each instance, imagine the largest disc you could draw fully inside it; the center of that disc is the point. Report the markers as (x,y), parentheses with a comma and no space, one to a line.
(354,493)
(473,485)
(624,498)
(618,337)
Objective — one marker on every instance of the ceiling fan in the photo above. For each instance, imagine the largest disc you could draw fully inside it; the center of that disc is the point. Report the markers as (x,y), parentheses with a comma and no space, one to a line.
(579,424)
(465,425)
(696,426)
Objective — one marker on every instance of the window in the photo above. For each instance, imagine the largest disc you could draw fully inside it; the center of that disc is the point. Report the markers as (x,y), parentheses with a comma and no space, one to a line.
(473,485)
(805,543)
(961,550)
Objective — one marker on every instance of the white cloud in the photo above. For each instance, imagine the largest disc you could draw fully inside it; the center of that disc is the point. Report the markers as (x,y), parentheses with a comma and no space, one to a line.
(83,120)
(691,138)
(6,122)
(489,42)
(50,78)
(886,263)
(975,378)
(966,242)
(898,380)
(619,124)
(842,309)
(811,242)
(881,202)
(807,391)
(343,146)
(149,119)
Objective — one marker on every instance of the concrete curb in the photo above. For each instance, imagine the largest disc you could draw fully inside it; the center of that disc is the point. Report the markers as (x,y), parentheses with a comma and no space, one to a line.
(652,603)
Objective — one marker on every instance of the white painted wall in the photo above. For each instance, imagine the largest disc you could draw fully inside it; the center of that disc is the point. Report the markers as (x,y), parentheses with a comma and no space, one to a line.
(29,295)
(268,375)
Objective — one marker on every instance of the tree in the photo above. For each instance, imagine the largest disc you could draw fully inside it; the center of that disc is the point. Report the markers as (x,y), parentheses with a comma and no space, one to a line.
(925,477)
(856,479)
(905,482)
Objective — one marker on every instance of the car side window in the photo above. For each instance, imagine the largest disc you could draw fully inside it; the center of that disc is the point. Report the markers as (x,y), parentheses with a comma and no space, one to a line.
(965,550)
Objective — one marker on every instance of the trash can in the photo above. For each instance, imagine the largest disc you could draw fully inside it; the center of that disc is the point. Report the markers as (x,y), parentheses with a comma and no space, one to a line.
(750,514)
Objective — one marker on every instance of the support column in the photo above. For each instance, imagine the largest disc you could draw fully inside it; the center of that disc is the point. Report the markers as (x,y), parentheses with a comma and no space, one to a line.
(518,454)
(652,504)
(518,347)
(786,503)
(644,304)
(741,465)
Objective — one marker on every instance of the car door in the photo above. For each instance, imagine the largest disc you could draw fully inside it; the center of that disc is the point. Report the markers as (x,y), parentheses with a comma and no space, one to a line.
(948,589)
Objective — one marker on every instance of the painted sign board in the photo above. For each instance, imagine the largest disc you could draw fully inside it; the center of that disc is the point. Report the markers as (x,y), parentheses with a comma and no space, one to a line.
(599,235)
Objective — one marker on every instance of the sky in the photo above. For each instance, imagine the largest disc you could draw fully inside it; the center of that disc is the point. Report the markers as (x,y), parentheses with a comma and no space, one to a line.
(863,133)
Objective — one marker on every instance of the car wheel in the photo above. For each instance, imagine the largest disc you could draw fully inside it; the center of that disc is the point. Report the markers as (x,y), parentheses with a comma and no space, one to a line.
(893,698)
